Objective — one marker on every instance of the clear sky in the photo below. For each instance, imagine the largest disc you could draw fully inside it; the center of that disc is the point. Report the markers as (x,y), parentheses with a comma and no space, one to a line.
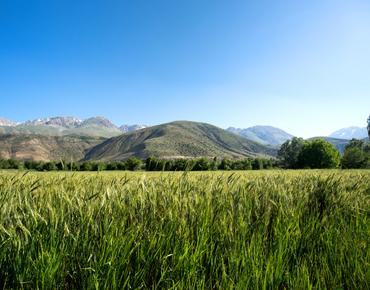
(302,66)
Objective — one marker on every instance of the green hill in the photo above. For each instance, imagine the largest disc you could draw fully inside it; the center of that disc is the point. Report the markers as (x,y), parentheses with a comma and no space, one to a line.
(178,140)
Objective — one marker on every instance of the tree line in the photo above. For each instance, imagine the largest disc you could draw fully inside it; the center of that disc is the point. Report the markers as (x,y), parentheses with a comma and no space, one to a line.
(295,153)
(151,164)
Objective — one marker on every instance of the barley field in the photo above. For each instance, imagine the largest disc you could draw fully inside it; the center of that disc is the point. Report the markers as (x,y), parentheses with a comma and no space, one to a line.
(185,230)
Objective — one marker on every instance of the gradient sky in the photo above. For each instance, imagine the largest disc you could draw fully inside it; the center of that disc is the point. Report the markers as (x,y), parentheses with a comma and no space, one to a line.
(302,66)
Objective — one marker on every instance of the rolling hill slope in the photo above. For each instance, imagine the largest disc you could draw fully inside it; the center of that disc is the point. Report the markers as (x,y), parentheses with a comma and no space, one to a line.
(179,139)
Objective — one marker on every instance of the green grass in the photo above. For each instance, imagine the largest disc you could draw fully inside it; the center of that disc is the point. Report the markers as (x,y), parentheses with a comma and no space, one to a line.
(241,230)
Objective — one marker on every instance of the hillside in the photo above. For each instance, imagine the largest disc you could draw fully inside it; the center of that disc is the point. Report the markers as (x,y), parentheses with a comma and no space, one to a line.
(179,139)
(266,135)
(42,147)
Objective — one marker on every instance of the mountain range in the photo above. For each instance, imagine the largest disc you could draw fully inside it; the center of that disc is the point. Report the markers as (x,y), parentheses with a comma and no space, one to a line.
(98,139)
(59,126)
(266,135)
(350,132)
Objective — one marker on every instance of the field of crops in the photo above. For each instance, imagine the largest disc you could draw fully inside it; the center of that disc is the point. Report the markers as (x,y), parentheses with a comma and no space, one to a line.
(212,230)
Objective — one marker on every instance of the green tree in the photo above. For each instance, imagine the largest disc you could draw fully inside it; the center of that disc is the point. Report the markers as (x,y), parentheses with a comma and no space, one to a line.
(201,164)
(86,166)
(358,143)
(356,154)
(161,164)
(227,164)
(133,163)
(318,154)
(112,165)
(120,165)
(50,166)
(151,163)
(353,158)
(14,164)
(257,164)
(170,165)
(289,150)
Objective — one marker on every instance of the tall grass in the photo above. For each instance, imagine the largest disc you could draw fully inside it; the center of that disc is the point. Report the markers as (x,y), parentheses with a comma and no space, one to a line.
(265,230)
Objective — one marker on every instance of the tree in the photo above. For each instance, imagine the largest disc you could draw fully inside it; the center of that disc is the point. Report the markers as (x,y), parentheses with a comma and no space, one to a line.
(170,165)
(14,164)
(356,154)
(359,143)
(151,163)
(257,164)
(50,166)
(202,164)
(86,166)
(353,158)
(318,154)
(112,165)
(227,163)
(289,150)
(183,164)
(133,163)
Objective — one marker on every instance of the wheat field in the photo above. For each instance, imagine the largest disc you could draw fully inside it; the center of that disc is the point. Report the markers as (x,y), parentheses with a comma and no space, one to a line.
(303,229)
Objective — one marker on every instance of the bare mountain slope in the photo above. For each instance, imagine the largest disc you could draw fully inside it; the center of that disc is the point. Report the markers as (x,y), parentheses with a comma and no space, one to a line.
(42,147)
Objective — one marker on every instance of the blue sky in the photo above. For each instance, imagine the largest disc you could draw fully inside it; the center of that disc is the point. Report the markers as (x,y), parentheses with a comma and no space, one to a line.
(302,66)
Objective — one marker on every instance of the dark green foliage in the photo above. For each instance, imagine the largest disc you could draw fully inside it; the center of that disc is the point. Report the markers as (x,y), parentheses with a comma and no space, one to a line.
(289,150)
(356,155)
(227,164)
(50,166)
(112,166)
(202,164)
(257,164)
(86,166)
(133,164)
(318,154)
(99,166)
(183,164)
(151,163)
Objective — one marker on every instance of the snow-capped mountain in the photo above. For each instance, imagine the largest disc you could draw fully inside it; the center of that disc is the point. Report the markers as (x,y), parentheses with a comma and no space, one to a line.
(350,132)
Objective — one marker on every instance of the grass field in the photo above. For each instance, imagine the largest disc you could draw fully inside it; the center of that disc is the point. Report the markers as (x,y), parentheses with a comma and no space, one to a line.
(210,230)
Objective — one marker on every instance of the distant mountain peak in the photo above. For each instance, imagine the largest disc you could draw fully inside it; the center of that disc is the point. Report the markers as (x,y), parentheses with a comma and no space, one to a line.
(267,135)
(350,132)
(130,128)
(5,122)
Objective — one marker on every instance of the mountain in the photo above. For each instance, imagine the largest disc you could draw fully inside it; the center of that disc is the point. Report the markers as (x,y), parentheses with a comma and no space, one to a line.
(266,135)
(43,147)
(350,132)
(57,122)
(180,139)
(130,128)
(337,142)
(59,126)
(5,122)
